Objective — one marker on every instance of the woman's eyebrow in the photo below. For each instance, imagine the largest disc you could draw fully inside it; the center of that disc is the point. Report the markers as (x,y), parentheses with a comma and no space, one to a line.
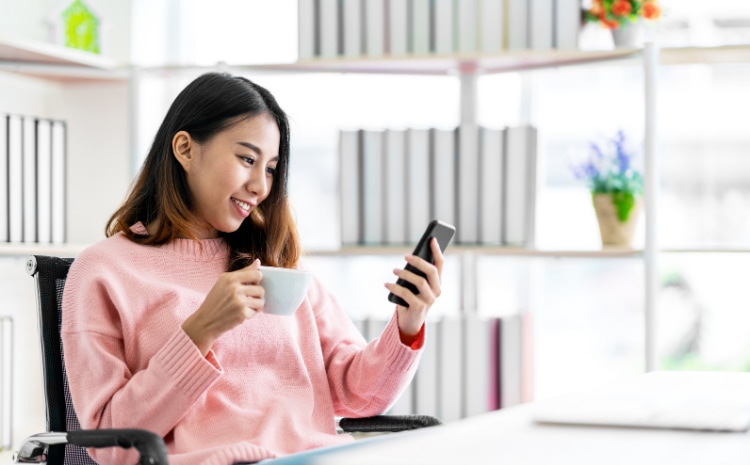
(256,149)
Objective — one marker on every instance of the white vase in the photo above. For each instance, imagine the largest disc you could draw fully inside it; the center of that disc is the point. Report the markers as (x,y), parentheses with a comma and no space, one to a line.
(629,35)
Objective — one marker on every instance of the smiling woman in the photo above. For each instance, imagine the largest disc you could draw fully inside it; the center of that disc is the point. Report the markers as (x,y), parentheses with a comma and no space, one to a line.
(169,314)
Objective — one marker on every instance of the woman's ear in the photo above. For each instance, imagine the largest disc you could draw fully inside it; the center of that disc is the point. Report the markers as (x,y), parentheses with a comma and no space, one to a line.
(182,146)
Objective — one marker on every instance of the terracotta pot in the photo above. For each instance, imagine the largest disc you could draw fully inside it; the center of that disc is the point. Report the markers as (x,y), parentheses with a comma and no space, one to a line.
(616,227)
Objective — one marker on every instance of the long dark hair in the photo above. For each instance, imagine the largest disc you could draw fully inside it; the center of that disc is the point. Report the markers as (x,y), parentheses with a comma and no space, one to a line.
(160,194)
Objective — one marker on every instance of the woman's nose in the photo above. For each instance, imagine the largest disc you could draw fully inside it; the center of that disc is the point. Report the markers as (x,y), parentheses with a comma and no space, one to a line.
(257,183)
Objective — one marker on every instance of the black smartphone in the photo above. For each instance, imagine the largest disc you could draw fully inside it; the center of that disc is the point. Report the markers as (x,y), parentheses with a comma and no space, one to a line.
(443,232)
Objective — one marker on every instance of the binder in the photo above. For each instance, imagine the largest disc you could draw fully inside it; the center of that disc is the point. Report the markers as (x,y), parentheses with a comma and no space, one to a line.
(420,27)
(15,178)
(518,25)
(371,184)
(397,27)
(491,182)
(480,365)
(306,29)
(394,157)
(425,384)
(44,180)
(467,22)
(4,180)
(352,31)
(418,183)
(59,176)
(541,23)
(467,229)
(374,28)
(491,25)
(328,28)
(567,24)
(442,36)
(520,186)
(443,152)
(450,384)
(349,187)
(29,169)
(510,361)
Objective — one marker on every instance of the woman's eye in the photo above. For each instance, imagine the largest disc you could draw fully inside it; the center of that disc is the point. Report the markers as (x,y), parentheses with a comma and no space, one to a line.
(271,171)
(248,160)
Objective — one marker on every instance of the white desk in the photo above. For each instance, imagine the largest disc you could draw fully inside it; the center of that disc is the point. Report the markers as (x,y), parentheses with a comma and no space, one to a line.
(511,437)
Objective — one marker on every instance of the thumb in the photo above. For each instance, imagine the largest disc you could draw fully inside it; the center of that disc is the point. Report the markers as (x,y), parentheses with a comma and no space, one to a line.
(255,265)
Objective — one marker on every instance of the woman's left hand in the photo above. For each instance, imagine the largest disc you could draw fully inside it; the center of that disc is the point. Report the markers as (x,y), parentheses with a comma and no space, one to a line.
(411,318)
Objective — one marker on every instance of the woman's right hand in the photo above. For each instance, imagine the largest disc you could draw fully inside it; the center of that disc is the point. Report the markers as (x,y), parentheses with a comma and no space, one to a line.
(236,297)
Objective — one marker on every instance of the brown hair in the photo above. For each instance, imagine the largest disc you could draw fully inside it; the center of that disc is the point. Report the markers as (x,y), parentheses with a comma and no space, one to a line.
(160,195)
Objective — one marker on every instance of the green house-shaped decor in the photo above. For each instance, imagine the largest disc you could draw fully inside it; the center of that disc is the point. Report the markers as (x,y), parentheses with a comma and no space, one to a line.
(81,27)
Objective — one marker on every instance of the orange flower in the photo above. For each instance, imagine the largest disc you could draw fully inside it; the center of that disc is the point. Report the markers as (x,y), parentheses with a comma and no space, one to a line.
(608,23)
(597,8)
(622,8)
(651,10)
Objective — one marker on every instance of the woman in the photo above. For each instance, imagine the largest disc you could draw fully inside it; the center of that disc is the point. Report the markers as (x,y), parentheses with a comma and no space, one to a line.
(163,326)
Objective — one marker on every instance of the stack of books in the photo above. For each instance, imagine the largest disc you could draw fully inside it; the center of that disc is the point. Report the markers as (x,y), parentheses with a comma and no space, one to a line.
(32,180)
(393,182)
(470,365)
(380,28)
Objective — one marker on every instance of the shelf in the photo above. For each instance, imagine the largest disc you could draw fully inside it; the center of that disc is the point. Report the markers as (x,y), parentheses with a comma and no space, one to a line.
(53,62)
(508,61)
(56,250)
(481,250)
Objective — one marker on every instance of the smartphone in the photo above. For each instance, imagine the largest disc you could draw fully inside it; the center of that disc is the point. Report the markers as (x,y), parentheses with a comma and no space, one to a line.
(443,232)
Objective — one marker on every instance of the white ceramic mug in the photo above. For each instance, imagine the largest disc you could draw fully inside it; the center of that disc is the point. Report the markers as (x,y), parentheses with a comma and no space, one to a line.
(285,289)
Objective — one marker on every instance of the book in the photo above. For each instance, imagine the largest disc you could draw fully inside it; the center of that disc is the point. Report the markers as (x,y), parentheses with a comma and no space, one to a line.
(29,155)
(467,22)
(425,384)
(567,24)
(417,183)
(15,178)
(371,187)
(541,24)
(517,22)
(328,28)
(520,186)
(4,157)
(374,28)
(480,365)
(419,39)
(510,380)
(394,157)
(450,383)
(442,36)
(467,229)
(352,30)
(491,161)
(443,160)
(349,145)
(44,180)
(59,169)
(527,356)
(491,25)
(397,25)
(306,29)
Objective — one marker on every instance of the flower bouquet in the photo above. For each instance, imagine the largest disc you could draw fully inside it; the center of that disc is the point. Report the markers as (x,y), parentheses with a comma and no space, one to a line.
(613,14)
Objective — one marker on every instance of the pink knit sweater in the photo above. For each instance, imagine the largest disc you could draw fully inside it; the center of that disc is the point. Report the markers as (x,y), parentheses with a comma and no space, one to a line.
(267,388)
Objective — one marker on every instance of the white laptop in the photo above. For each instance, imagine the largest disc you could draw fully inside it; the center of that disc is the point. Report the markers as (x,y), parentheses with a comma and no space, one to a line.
(713,401)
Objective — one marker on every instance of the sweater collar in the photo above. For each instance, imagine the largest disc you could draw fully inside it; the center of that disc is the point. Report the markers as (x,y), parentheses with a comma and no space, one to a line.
(190,249)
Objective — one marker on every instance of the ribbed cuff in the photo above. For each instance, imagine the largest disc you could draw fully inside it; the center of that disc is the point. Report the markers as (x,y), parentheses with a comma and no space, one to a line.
(190,371)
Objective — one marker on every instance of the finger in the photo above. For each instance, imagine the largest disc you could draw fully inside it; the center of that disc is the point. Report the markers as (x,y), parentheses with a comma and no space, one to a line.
(437,256)
(427,291)
(404,293)
(431,272)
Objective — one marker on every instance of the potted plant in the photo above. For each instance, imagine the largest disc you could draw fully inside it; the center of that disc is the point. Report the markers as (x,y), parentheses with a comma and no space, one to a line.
(623,18)
(616,187)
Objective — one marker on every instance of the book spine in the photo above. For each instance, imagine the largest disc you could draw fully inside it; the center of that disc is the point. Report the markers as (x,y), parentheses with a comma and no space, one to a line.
(349,146)
(394,188)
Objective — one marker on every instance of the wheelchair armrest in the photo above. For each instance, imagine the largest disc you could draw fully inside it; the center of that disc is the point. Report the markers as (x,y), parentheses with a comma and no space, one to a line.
(149,445)
(387,423)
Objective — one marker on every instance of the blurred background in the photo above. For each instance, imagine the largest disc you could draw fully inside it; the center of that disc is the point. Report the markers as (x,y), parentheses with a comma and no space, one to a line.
(587,311)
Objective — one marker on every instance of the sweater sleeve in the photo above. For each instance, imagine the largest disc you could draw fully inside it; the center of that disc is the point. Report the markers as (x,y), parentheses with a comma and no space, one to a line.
(106,391)
(365,379)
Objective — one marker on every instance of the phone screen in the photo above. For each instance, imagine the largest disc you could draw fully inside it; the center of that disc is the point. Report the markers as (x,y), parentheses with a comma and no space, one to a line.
(441,231)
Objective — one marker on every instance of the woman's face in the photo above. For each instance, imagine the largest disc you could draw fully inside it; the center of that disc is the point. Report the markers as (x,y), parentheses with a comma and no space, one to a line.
(231,173)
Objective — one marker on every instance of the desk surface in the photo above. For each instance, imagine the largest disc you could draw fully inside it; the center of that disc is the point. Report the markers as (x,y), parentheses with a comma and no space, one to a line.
(512,437)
